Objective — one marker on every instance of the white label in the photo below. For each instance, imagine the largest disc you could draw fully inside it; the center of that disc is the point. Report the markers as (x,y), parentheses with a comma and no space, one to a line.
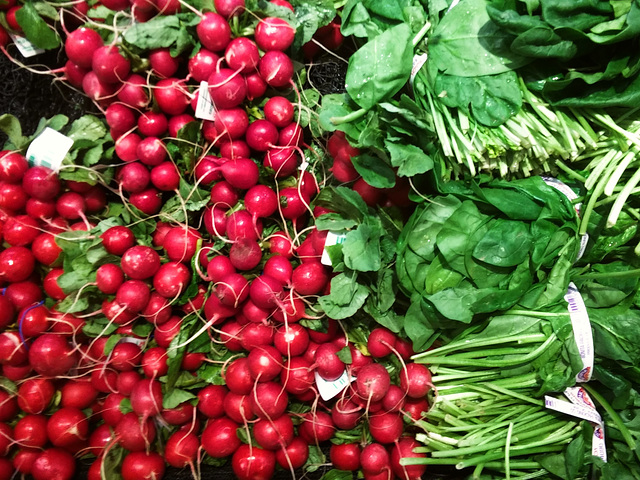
(581,331)
(25,47)
(205,109)
(598,445)
(49,149)
(303,166)
(328,390)
(584,241)
(332,239)
(578,411)
(138,341)
(418,62)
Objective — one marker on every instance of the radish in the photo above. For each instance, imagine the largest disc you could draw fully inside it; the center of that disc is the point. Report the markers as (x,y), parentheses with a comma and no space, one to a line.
(127,147)
(133,93)
(134,295)
(280,268)
(229,8)
(291,136)
(283,161)
(78,394)
(21,230)
(148,201)
(256,86)
(273,33)
(255,334)
(297,377)
(104,379)
(224,195)
(146,398)
(30,431)
(98,91)
(245,254)
(266,292)
(41,183)
(24,459)
(317,427)
(68,427)
(117,240)
(158,309)
(140,262)
(110,410)
(13,166)
(346,414)
(35,395)
(52,356)
(8,406)
(13,198)
(171,96)
(181,449)
(386,427)
(133,177)
(162,63)
(345,456)
(202,65)
(374,458)
(210,400)
(152,124)
(154,362)
(80,46)
(40,210)
(404,448)
(238,377)
(241,225)
(280,243)
(265,363)
(269,400)
(46,250)
(260,201)
(261,135)
(220,267)
(252,463)
(227,88)
(143,466)
(373,382)
(292,204)
(120,118)
(178,122)
(276,68)
(213,32)
(279,110)
(274,434)
(181,243)
(328,365)
(295,455)
(109,65)
(241,173)
(242,55)
(219,438)
(310,278)
(232,123)
(414,409)
(54,464)
(394,399)
(16,264)
(230,336)
(135,434)
(238,408)
(23,294)
(171,279)
(381,342)
(415,380)
(291,340)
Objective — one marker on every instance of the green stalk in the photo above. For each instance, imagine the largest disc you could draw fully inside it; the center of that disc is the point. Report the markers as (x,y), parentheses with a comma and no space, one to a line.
(465,344)
(614,213)
(569,172)
(507,452)
(627,274)
(351,117)
(420,35)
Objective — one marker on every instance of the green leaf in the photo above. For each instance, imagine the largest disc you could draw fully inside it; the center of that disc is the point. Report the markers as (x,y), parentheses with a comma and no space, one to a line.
(374,171)
(36,29)
(175,397)
(346,298)
(161,31)
(345,355)
(334,222)
(8,386)
(112,462)
(381,67)
(409,159)
(10,126)
(506,244)
(361,249)
(335,474)
(71,281)
(87,127)
(310,17)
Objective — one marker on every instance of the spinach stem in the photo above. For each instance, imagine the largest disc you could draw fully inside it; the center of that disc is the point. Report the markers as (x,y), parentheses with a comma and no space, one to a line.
(465,344)
(420,35)
(355,115)
(626,274)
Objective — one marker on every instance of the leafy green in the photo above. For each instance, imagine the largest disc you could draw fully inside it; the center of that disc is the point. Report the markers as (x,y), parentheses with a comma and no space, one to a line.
(35,28)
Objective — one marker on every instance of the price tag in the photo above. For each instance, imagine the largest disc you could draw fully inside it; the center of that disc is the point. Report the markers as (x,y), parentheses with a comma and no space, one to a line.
(328,390)
(25,47)
(205,109)
(578,411)
(333,238)
(49,149)
(581,331)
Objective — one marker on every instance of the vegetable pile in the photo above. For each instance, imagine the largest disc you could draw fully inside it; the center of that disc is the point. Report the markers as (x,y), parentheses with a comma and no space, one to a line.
(224,267)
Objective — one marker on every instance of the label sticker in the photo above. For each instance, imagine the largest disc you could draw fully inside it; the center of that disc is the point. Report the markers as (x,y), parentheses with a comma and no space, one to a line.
(328,390)
(581,331)
(49,149)
(205,109)
(333,238)
(578,411)
(25,47)
(418,62)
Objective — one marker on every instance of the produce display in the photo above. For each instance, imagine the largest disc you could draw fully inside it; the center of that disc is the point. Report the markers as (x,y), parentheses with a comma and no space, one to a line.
(323,239)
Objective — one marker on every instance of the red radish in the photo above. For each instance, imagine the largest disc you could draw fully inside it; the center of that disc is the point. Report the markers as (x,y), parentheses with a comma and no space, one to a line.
(276,68)
(181,449)
(273,33)
(80,46)
(172,279)
(291,136)
(117,240)
(297,377)
(67,427)
(95,199)
(265,363)
(134,93)
(125,356)
(282,3)
(8,406)
(252,463)
(213,32)
(229,8)
(224,195)
(13,166)
(133,294)
(152,124)
(206,170)
(54,464)
(180,415)
(158,309)
(162,63)
(241,173)
(35,395)
(12,197)
(374,458)
(346,414)
(146,398)
(133,177)
(415,380)
(109,277)
(232,289)
(291,340)
(30,431)
(256,86)
(143,466)
(279,110)
(371,195)
(180,243)
(345,456)
(16,264)
(154,362)
(104,379)
(178,122)
(261,201)
(41,183)
(373,382)
(280,243)
(294,456)
(232,123)
(230,336)
(328,365)
(316,427)
(242,55)
(202,65)
(168,7)
(24,459)
(310,278)
(381,342)
(23,294)
(414,409)
(110,410)
(219,267)
(261,135)
(274,434)
(148,201)
(227,88)
(120,118)
(404,348)
(386,427)
(404,448)
(219,438)
(245,254)
(238,376)
(280,268)
(252,313)
(292,204)
(241,225)
(127,147)
(40,210)
(133,433)
(210,400)
(46,250)
(78,394)
(283,161)
(109,65)
(269,400)
(151,151)
(265,291)
(140,262)
(394,400)
(52,356)
(238,408)
(255,334)
(171,96)
(97,90)
(21,230)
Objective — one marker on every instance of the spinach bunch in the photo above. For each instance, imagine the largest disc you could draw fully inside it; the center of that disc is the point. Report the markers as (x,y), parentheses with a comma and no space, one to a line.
(483,249)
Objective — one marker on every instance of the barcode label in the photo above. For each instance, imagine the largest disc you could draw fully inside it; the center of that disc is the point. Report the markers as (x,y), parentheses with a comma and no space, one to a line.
(49,149)
(25,47)
(328,390)
(581,331)
(332,239)
(205,109)
(578,411)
